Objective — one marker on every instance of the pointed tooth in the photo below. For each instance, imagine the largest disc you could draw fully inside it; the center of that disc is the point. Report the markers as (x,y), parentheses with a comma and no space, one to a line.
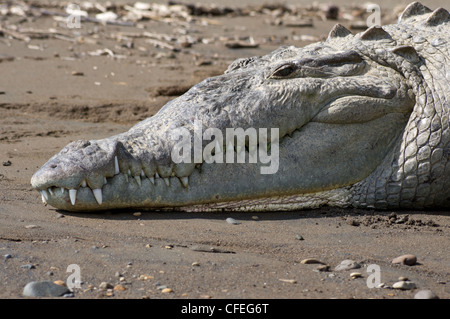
(98,195)
(116,166)
(61,189)
(152,179)
(129,172)
(142,174)
(157,175)
(105,181)
(44,194)
(83,183)
(166,180)
(73,195)
(50,191)
(185,181)
(138,180)
(44,200)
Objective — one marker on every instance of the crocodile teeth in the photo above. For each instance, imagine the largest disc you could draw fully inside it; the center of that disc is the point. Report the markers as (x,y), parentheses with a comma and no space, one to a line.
(98,195)
(157,175)
(116,166)
(61,189)
(185,181)
(50,191)
(138,180)
(73,195)
(83,183)
(152,179)
(44,196)
(166,180)
(105,181)
(142,174)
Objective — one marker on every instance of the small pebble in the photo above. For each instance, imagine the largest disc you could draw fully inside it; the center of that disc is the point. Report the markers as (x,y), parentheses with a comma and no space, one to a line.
(408,259)
(311,261)
(77,73)
(59,282)
(7,256)
(105,285)
(196,264)
(255,217)
(167,290)
(119,287)
(290,281)
(31,226)
(425,294)
(347,265)
(299,237)
(356,275)
(353,222)
(232,221)
(44,289)
(145,277)
(323,268)
(28,266)
(401,278)
(137,214)
(404,285)
(7,163)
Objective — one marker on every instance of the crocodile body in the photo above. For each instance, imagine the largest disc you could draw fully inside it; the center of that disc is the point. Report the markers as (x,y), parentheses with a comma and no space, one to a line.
(361,121)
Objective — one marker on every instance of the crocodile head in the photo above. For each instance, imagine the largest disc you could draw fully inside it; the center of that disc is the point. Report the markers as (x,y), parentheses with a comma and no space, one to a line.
(315,122)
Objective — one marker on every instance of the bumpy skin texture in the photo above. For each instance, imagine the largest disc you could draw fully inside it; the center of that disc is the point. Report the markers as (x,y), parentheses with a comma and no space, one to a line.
(363,121)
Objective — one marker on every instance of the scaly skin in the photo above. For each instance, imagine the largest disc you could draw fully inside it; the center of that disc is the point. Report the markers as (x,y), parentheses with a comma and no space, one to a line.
(363,121)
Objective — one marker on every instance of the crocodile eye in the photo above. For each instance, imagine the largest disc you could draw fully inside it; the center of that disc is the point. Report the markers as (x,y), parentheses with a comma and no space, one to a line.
(283,71)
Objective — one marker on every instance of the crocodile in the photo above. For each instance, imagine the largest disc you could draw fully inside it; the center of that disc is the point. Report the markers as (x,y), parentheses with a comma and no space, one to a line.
(357,120)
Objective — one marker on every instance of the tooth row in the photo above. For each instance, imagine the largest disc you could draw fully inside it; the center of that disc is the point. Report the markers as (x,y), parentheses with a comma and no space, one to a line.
(138,178)
(98,191)
(72,194)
